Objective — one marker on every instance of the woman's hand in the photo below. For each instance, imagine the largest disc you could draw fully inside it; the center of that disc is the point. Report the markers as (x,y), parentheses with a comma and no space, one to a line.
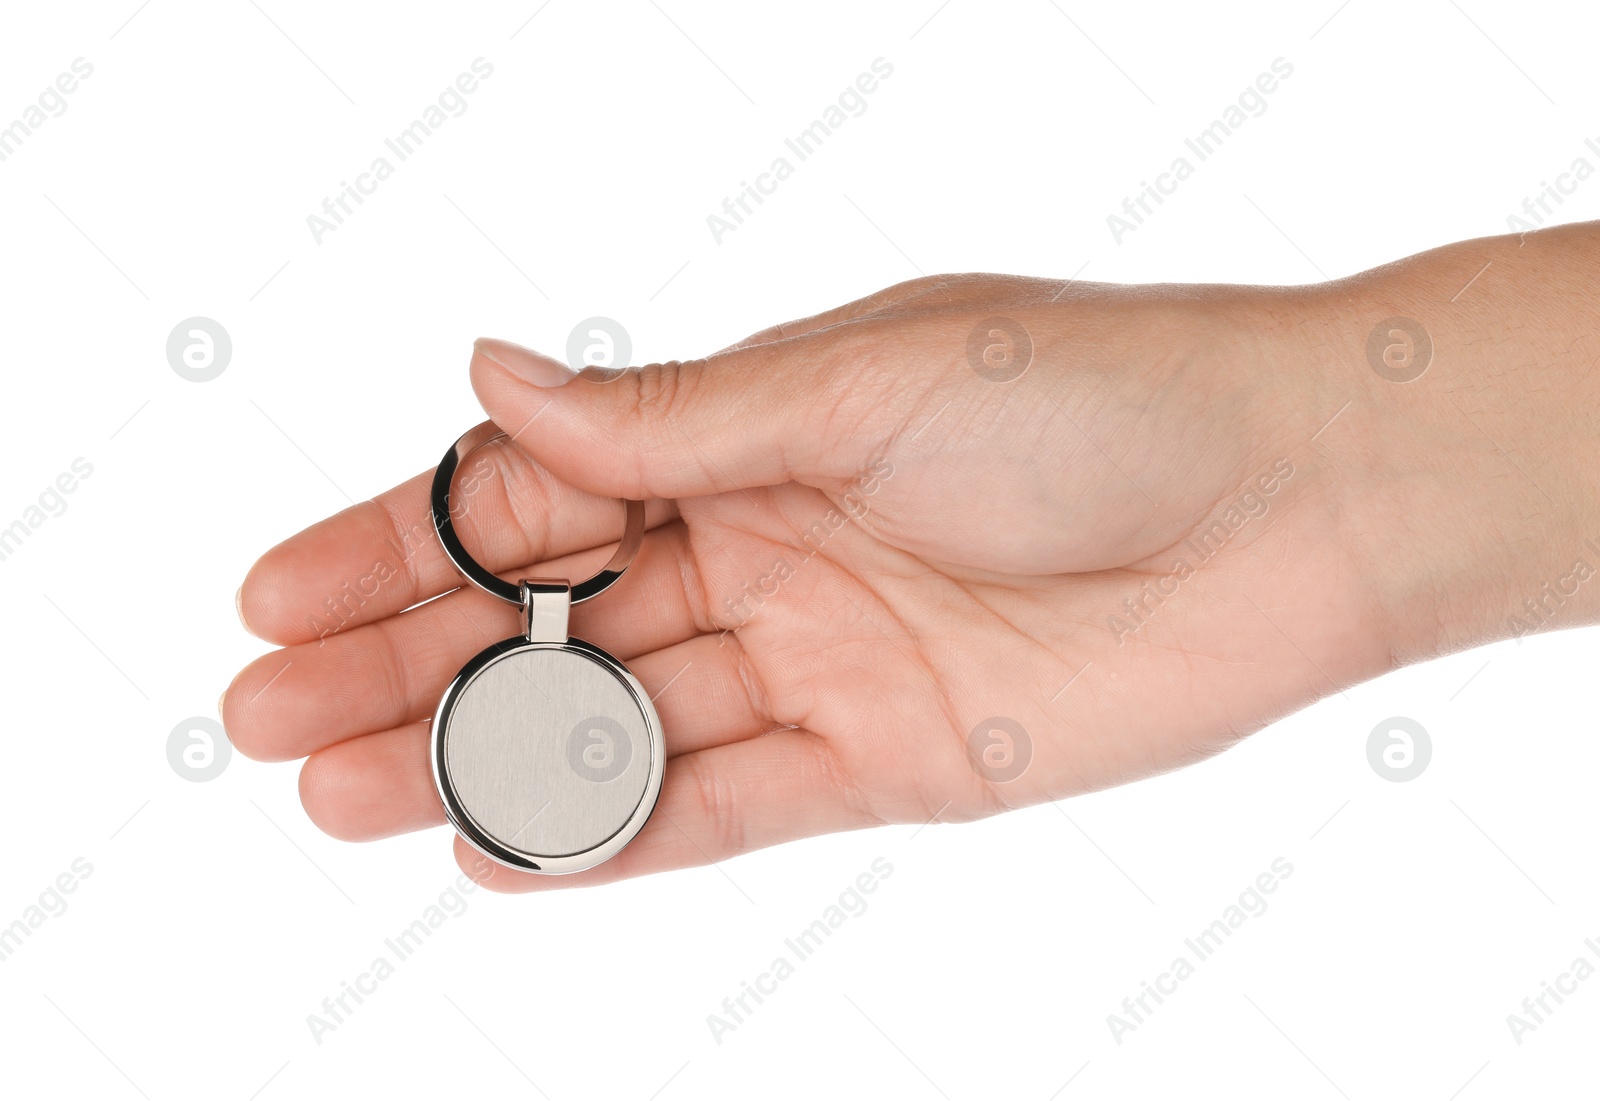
(972,543)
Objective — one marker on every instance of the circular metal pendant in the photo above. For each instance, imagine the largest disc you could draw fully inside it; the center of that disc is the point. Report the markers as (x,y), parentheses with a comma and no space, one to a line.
(548,755)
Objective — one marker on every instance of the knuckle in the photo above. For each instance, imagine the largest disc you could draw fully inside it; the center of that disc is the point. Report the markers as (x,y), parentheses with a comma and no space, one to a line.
(657,388)
(501,507)
(406,537)
(715,805)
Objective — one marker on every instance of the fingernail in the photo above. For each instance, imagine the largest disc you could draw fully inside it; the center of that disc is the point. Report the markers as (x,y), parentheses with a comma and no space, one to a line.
(530,366)
(238,606)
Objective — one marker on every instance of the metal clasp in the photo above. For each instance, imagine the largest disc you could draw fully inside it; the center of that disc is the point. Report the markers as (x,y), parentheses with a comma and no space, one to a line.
(546,607)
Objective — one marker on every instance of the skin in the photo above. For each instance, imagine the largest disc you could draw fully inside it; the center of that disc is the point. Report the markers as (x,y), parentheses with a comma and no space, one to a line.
(985,535)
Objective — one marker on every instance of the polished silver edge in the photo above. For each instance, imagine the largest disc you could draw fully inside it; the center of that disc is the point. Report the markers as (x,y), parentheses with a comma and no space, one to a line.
(469,568)
(546,610)
(517,859)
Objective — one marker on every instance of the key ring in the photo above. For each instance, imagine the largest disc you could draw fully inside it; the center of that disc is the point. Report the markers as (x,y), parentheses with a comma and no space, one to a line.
(547,753)
(444,526)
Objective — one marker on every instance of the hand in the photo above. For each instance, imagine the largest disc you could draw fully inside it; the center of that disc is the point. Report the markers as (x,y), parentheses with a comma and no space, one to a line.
(908,563)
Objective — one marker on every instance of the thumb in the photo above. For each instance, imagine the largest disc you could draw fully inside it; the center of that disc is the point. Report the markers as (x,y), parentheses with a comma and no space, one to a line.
(746,417)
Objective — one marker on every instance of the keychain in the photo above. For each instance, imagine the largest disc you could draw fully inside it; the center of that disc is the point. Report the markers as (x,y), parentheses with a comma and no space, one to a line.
(546,751)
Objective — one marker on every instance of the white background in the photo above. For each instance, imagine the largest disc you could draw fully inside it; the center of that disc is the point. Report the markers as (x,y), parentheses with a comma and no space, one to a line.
(1418,916)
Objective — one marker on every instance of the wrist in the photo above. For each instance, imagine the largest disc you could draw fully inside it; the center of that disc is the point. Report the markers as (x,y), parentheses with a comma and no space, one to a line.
(1468,461)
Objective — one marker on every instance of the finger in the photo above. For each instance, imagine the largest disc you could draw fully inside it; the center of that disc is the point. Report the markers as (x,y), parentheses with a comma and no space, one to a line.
(716,804)
(807,409)
(295,701)
(382,556)
(371,787)
(379,785)
(703,691)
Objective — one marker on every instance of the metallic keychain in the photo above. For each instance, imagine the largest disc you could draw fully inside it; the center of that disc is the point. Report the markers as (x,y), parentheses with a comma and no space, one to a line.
(546,751)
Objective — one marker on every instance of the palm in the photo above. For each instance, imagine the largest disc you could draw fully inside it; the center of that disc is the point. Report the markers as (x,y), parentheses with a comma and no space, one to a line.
(898,664)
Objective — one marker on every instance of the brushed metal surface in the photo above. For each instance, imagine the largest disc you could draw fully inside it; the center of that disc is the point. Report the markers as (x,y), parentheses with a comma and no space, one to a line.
(550,750)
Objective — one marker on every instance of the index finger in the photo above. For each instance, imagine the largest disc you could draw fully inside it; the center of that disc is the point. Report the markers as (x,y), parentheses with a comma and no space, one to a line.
(382,556)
